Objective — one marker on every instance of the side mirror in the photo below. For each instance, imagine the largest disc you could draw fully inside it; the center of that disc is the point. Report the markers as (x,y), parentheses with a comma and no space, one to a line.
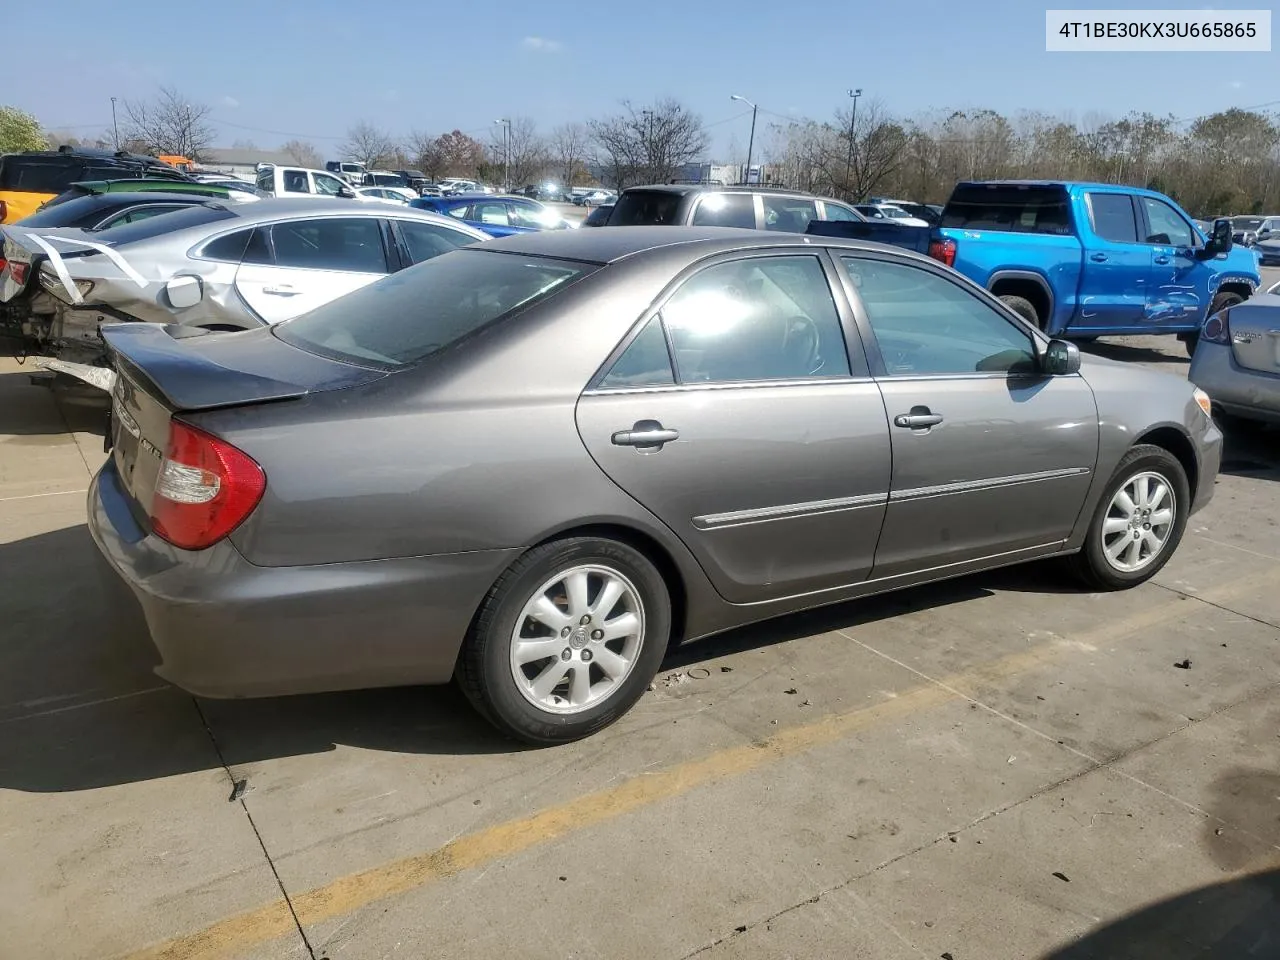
(184,292)
(1220,237)
(346,192)
(1061,357)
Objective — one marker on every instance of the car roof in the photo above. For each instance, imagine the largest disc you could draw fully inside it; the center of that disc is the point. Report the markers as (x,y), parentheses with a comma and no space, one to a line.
(283,208)
(87,153)
(610,244)
(684,188)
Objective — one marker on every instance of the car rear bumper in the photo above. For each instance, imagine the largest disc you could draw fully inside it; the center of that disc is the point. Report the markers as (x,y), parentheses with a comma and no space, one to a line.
(226,628)
(1237,390)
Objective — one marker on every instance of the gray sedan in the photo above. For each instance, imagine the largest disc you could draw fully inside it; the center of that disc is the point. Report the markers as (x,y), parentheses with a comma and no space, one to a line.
(1237,359)
(535,463)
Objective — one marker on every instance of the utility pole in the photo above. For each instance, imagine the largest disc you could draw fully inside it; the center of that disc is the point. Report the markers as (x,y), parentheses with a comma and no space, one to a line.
(853,118)
(115,130)
(751,141)
(648,143)
(506,154)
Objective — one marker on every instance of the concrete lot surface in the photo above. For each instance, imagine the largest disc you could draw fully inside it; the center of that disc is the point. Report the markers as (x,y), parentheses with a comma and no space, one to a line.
(998,767)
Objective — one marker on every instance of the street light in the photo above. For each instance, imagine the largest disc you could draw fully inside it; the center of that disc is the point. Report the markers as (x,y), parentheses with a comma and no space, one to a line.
(506,153)
(752,140)
(853,116)
(114,129)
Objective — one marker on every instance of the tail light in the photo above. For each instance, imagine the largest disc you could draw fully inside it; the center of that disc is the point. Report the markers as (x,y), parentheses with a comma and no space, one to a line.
(943,250)
(1217,329)
(17,270)
(205,489)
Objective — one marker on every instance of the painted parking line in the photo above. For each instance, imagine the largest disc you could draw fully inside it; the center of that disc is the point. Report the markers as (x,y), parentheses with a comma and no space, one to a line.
(235,934)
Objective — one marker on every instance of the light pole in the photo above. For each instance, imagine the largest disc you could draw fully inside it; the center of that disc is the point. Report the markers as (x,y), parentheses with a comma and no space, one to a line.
(751,141)
(648,143)
(506,153)
(115,130)
(853,117)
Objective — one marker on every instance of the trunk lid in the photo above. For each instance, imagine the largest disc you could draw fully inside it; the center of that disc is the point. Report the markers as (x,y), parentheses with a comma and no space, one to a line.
(1255,333)
(166,371)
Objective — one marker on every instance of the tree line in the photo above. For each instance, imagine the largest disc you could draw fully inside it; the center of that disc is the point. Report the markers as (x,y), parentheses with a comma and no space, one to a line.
(1227,162)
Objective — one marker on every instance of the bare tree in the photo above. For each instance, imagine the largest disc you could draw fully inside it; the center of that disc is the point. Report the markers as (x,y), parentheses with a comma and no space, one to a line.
(169,125)
(424,149)
(302,153)
(520,151)
(568,147)
(648,143)
(368,145)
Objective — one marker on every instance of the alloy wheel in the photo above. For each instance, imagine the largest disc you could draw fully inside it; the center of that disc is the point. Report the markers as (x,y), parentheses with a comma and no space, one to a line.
(577,639)
(1139,522)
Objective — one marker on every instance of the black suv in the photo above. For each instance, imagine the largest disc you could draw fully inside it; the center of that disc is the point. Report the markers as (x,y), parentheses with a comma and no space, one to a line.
(708,205)
(29,179)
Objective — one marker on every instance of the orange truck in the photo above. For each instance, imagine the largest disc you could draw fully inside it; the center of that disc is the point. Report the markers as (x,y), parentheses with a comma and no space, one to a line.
(182,163)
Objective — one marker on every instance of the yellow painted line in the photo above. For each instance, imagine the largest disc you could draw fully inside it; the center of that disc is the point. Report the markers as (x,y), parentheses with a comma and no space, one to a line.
(235,934)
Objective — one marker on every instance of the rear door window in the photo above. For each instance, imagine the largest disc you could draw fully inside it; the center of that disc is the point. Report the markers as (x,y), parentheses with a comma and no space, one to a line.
(726,210)
(295,181)
(331,243)
(1113,218)
(1006,207)
(38,174)
(789,214)
(423,241)
(646,208)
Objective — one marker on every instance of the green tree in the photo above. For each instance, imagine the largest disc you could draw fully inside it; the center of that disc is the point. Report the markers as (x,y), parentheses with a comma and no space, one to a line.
(20,131)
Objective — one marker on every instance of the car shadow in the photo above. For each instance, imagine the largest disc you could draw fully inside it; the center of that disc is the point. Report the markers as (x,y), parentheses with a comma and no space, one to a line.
(1251,450)
(1130,353)
(25,410)
(80,707)
(1235,919)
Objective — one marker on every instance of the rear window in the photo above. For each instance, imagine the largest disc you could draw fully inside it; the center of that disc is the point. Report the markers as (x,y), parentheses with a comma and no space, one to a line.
(68,214)
(38,174)
(193,216)
(1013,208)
(645,208)
(412,314)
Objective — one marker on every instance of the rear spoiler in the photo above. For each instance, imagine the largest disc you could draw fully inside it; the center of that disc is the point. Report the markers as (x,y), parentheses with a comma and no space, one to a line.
(183,378)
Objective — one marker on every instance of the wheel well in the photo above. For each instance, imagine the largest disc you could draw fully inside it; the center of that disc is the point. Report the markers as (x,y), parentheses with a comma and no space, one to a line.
(1176,442)
(657,555)
(1027,289)
(1241,289)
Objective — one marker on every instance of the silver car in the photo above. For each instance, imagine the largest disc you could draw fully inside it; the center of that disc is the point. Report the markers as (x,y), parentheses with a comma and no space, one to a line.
(217,266)
(534,464)
(1237,360)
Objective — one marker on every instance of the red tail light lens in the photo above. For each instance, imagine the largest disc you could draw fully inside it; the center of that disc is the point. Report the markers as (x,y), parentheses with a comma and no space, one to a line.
(1217,329)
(17,270)
(205,489)
(943,250)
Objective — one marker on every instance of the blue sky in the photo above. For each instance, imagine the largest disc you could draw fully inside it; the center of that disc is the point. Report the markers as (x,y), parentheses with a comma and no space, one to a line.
(275,69)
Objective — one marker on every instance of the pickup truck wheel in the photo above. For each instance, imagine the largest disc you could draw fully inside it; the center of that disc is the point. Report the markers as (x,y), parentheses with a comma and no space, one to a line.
(1023,308)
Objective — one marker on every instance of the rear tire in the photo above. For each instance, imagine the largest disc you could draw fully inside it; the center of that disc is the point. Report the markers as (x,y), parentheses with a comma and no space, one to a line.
(1125,547)
(1023,308)
(545,662)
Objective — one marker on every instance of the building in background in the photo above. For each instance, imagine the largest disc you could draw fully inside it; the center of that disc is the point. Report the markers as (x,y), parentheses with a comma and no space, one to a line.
(241,163)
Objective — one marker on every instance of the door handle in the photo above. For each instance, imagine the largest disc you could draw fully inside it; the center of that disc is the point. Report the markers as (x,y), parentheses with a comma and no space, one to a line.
(920,418)
(1099,258)
(645,435)
(1162,259)
(284,290)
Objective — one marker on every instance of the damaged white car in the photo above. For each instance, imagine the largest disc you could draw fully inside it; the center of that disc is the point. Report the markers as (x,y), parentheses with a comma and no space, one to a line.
(214,266)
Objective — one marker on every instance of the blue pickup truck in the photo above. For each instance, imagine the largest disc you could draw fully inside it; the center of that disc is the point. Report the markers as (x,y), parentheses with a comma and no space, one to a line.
(1084,260)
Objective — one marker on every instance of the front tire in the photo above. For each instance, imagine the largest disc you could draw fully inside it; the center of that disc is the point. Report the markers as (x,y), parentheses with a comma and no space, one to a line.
(567,640)
(1138,523)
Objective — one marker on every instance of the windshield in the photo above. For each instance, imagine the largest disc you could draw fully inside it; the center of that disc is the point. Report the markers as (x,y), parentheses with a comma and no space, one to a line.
(1246,223)
(897,213)
(645,208)
(414,313)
